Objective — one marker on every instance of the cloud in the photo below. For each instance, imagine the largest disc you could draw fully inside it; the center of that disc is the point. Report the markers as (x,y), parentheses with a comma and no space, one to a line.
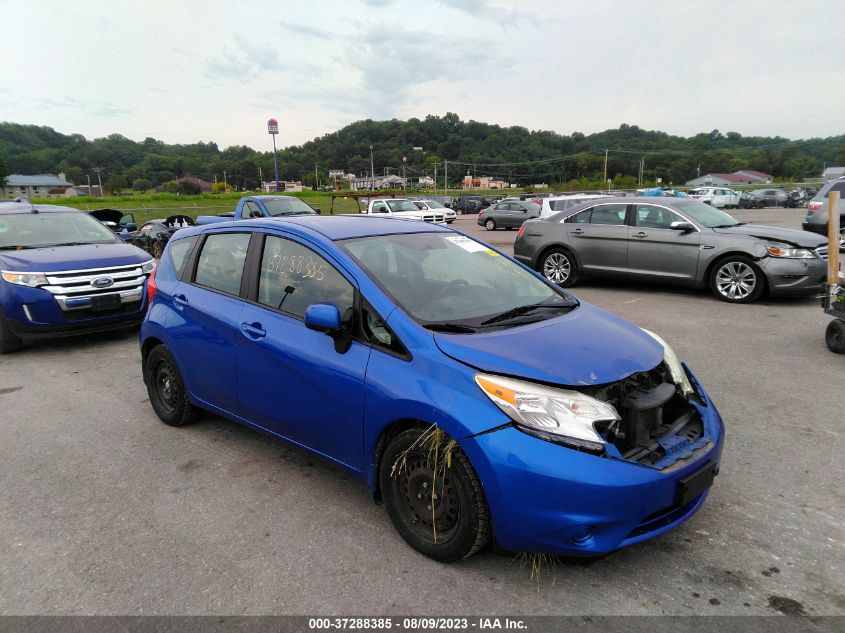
(245,62)
(393,61)
(95,108)
(488,11)
(307,31)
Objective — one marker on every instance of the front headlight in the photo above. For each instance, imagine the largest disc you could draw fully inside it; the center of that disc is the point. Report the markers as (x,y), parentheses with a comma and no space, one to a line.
(570,416)
(790,253)
(148,267)
(32,280)
(679,376)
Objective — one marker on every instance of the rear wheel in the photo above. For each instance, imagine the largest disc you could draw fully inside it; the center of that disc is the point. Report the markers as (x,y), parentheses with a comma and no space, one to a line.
(560,267)
(166,388)
(438,508)
(490,225)
(834,336)
(8,342)
(737,279)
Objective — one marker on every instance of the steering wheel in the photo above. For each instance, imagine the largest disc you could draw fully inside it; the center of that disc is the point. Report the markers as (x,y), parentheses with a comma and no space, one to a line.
(445,291)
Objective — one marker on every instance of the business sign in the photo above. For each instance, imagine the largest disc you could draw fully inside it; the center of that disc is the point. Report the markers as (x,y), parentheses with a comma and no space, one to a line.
(272,126)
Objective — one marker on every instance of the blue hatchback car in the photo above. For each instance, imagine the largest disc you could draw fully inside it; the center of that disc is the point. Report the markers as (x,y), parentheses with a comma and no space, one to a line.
(477,400)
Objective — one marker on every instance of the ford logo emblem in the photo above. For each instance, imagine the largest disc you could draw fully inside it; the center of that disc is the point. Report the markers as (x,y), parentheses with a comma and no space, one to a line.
(102,282)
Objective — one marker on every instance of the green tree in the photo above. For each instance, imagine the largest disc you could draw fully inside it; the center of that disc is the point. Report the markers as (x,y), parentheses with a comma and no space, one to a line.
(141,184)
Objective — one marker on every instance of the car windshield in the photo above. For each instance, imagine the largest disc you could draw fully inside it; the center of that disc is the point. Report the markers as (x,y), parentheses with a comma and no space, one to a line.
(36,230)
(286,206)
(452,283)
(433,204)
(706,215)
(401,205)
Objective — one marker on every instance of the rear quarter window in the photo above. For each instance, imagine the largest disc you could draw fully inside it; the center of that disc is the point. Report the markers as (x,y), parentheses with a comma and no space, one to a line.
(179,251)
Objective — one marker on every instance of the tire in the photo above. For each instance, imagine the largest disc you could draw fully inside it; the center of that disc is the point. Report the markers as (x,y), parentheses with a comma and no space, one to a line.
(834,336)
(737,279)
(490,225)
(166,389)
(8,342)
(559,266)
(462,513)
(459,211)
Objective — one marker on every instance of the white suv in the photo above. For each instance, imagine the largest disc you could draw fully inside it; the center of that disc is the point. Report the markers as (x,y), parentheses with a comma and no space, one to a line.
(718,197)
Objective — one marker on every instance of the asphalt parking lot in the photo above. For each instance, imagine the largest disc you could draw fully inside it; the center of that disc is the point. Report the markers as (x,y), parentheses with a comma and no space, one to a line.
(105,510)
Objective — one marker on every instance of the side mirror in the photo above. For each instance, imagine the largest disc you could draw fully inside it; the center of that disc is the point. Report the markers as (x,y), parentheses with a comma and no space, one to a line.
(317,210)
(324,317)
(684,227)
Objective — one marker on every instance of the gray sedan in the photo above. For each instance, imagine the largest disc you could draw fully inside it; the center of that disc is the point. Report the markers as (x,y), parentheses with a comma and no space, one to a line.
(510,213)
(680,241)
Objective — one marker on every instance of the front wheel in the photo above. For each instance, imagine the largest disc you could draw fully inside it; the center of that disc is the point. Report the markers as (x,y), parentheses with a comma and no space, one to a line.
(737,279)
(560,267)
(834,336)
(459,211)
(437,506)
(166,388)
(490,225)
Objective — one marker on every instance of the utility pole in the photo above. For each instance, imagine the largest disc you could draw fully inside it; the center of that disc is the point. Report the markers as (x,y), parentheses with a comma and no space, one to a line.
(372,170)
(446,178)
(88,176)
(260,178)
(99,181)
(316,178)
(435,178)
(226,185)
(605,165)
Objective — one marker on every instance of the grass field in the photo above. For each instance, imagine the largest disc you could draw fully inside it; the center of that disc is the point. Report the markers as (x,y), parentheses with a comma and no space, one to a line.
(158,205)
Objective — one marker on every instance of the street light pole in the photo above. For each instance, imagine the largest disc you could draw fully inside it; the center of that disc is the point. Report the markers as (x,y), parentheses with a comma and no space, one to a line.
(272,130)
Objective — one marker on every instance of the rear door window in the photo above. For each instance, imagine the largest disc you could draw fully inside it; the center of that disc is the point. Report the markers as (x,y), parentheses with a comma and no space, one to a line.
(221,262)
(609,214)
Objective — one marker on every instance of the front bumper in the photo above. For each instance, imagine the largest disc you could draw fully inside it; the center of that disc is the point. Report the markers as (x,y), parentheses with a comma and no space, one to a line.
(35,313)
(794,276)
(548,498)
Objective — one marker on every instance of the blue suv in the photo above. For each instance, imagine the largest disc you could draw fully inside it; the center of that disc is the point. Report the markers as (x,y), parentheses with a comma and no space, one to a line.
(477,400)
(63,273)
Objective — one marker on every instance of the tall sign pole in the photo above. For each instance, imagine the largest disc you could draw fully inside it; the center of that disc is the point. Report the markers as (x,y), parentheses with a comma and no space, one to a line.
(272,130)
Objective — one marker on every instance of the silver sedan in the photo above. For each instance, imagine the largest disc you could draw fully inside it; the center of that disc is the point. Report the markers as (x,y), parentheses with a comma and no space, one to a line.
(679,241)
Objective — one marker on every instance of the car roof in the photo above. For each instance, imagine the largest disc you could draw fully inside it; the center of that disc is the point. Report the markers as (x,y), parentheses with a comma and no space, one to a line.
(13,207)
(331,227)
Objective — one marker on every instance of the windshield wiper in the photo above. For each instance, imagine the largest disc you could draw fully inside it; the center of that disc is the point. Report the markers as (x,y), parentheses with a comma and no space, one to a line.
(14,247)
(445,326)
(727,226)
(523,310)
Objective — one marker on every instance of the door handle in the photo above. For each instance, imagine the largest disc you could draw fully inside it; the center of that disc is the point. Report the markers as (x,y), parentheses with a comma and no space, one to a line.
(180,300)
(253,330)
(577,231)
(641,234)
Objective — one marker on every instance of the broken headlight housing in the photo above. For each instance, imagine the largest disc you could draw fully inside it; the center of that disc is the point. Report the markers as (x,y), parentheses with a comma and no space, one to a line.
(558,415)
(670,359)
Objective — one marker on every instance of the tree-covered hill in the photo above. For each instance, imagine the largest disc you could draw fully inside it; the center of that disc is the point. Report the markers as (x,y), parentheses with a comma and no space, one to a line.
(514,153)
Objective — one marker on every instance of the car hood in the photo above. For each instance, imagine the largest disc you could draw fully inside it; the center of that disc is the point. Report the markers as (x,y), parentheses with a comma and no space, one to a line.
(803,239)
(58,258)
(587,346)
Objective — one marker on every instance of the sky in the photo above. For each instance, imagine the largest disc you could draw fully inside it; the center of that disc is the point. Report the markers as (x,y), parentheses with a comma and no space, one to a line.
(187,71)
